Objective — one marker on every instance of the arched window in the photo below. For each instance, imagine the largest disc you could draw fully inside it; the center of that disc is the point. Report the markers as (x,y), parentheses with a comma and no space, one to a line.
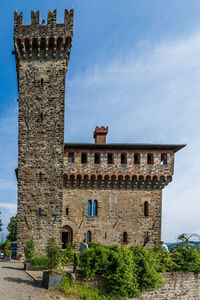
(39,212)
(94,208)
(89,236)
(41,118)
(146,208)
(42,83)
(125,237)
(40,177)
(89,207)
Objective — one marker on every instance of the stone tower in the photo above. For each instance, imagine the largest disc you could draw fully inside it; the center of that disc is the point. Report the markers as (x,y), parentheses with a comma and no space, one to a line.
(42,52)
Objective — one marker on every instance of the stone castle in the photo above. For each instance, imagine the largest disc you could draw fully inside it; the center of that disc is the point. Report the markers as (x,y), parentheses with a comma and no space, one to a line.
(107,193)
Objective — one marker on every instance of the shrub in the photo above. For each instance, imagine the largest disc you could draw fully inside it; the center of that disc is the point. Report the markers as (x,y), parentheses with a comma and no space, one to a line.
(68,253)
(187,259)
(165,261)
(56,260)
(29,250)
(40,262)
(7,247)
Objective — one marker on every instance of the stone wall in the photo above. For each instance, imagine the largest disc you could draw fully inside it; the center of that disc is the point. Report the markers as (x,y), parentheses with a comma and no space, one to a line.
(118,211)
(178,286)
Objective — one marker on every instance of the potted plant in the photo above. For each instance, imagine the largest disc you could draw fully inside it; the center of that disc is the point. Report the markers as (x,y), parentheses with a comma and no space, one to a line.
(7,252)
(19,257)
(29,253)
(56,261)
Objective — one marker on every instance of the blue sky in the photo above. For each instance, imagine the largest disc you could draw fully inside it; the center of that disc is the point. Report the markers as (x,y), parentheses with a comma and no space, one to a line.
(135,66)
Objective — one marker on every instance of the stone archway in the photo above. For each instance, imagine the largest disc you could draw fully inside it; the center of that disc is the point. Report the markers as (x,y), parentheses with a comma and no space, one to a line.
(67,235)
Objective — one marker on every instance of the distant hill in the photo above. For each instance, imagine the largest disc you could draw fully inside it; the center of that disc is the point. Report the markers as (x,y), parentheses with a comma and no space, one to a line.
(190,244)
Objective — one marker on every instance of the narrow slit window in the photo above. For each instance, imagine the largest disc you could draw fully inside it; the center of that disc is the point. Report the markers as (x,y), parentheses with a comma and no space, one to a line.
(123,158)
(97,158)
(40,177)
(125,237)
(136,158)
(110,158)
(89,207)
(163,158)
(39,212)
(146,209)
(94,208)
(84,158)
(67,211)
(71,157)
(150,159)
(41,118)
(42,83)
(89,236)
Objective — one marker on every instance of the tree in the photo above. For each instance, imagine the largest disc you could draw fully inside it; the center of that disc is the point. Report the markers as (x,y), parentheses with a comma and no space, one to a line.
(12,228)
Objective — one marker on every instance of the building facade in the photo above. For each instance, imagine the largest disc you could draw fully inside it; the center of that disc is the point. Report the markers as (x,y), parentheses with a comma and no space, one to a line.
(107,193)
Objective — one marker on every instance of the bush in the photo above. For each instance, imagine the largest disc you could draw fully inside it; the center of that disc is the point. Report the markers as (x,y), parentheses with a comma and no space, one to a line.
(187,259)
(7,247)
(29,250)
(165,261)
(68,253)
(56,260)
(40,262)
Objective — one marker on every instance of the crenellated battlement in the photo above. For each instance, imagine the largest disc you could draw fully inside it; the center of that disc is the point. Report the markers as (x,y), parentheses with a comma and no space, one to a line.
(42,41)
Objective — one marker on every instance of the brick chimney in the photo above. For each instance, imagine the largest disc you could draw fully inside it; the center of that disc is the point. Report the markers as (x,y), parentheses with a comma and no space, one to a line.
(100,134)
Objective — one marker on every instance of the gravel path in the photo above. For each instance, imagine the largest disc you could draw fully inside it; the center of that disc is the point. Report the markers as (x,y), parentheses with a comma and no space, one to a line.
(15,284)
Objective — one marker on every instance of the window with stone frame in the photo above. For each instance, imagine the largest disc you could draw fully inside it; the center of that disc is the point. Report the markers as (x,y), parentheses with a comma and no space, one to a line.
(150,158)
(89,236)
(146,208)
(163,158)
(67,211)
(40,177)
(94,208)
(97,158)
(84,158)
(89,208)
(42,83)
(41,118)
(110,158)
(136,158)
(123,158)
(71,157)
(39,212)
(125,237)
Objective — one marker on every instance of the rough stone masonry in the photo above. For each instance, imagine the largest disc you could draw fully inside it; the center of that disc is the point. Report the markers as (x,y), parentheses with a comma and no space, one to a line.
(108,193)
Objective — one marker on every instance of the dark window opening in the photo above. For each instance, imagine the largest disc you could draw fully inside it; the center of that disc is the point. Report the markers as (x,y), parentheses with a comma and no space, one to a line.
(150,159)
(146,209)
(41,118)
(94,208)
(105,235)
(67,211)
(89,238)
(89,207)
(136,158)
(42,83)
(97,158)
(123,158)
(39,212)
(164,158)
(110,158)
(125,237)
(84,158)
(40,177)
(71,157)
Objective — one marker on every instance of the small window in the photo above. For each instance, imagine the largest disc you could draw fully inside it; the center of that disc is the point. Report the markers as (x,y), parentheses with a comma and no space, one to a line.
(41,118)
(150,159)
(67,211)
(89,207)
(146,209)
(123,158)
(84,158)
(40,177)
(97,158)
(105,235)
(110,158)
(71,157)
(136,158)
(42,83)
(89,236)
(39,212)
(125,237)
(163,158)
(94,208)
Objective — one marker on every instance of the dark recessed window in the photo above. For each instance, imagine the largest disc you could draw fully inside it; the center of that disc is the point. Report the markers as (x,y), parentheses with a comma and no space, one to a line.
(41,118)
(89,208)
(39,212)
(125,237)
(123,158)
(42,83)
(89,237)
(84,158)
(164,158)
(40,177)
(110,158)
(105,235)
(71,157)
(150,159)
(146,209)
(136,158)
(67,211)
(94,208)
(97,158)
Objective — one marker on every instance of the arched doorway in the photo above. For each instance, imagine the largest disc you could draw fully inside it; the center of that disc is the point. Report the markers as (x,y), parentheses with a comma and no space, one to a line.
(67,235)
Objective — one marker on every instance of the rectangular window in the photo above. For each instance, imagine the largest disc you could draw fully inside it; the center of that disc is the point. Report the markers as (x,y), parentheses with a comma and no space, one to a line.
(123,158)
(67,211)
(164,158)
(84,158)
(97,158)
(150,159)
(71,157)
(136,158)
(110,158)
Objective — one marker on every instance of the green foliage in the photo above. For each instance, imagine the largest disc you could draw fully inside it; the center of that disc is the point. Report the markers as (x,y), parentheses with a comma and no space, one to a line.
(187,259)
(40,262)
(68,253)
(56,260)
(12,228)
(29,250)
(165,261)
(7,247)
